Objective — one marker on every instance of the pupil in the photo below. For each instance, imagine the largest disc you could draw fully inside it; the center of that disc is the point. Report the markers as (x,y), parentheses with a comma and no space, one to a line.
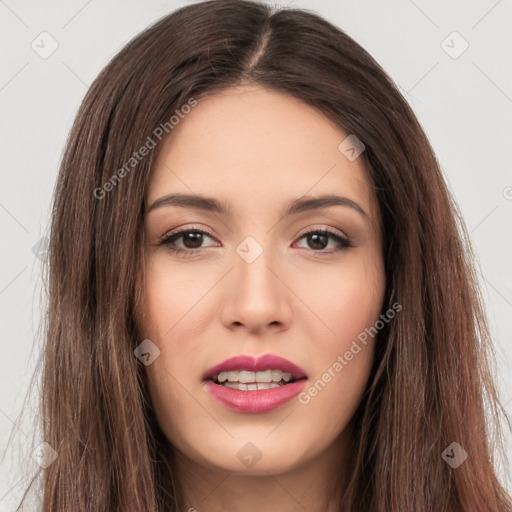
(316,236)
(194,238)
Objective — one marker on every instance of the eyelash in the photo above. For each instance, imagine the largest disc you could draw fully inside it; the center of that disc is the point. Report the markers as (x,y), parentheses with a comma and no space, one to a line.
(168,239)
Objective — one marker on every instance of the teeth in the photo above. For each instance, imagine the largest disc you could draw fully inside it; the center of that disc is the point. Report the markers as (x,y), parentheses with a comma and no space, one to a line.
(245,377)
(252,387)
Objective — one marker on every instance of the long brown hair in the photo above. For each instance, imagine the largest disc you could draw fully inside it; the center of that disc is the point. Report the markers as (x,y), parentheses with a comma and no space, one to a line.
(432,380)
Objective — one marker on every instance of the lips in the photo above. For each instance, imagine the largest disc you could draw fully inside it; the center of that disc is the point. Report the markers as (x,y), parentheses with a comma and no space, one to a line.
(253,364)
(250,400)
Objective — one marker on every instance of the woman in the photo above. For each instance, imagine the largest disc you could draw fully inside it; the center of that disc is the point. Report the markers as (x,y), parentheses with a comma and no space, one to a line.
(207,349)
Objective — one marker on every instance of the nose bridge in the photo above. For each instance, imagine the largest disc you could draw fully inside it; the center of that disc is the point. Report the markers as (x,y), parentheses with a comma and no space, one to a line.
(257,297)
(252,262)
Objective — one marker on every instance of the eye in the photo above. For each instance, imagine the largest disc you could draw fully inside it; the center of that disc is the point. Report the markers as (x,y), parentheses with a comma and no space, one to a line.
(319,238)
(192,239)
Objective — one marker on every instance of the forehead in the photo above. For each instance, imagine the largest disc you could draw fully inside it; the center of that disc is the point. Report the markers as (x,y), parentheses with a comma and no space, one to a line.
(253,148)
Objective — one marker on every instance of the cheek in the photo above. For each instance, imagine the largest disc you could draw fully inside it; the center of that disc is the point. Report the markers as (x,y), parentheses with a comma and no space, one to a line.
(175,321)
(344,300)
(172,294)
(349,305)
(332,397)
(171,322)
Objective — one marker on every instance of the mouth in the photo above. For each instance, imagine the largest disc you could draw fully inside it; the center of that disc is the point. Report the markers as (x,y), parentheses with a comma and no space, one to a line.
(244,380)
(249,370)
(254,385)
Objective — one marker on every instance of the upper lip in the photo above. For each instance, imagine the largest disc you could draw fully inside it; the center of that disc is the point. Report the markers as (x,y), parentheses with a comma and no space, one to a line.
(255,364)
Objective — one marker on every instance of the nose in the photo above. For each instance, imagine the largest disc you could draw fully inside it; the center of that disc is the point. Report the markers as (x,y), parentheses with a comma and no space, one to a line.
(257,294)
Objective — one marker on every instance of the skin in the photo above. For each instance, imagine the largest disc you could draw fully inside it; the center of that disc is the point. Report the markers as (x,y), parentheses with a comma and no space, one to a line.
(258,150)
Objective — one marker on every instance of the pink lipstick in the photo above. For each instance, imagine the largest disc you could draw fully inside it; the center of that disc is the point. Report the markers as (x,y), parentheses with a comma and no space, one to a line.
(248,384)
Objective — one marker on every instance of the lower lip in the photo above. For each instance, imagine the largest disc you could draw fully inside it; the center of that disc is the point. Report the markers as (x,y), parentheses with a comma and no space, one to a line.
(257,401)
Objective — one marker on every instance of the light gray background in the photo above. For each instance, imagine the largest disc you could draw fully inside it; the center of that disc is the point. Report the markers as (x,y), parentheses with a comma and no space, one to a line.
(464,105)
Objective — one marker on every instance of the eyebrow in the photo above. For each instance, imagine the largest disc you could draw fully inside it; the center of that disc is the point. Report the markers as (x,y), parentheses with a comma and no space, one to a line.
(210,204)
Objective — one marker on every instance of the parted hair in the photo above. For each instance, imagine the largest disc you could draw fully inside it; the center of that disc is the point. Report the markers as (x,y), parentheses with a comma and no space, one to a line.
(432,380)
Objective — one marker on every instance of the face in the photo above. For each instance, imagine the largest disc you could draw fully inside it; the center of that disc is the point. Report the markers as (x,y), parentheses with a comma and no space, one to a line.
(252,278)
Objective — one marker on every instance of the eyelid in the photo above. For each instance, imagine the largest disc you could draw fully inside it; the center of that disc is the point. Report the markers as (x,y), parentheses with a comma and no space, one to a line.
(185,229)
(343,241)
(334,231)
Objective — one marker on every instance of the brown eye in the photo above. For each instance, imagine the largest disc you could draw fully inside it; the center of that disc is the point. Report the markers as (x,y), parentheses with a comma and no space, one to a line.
(318,240)
(192,240)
